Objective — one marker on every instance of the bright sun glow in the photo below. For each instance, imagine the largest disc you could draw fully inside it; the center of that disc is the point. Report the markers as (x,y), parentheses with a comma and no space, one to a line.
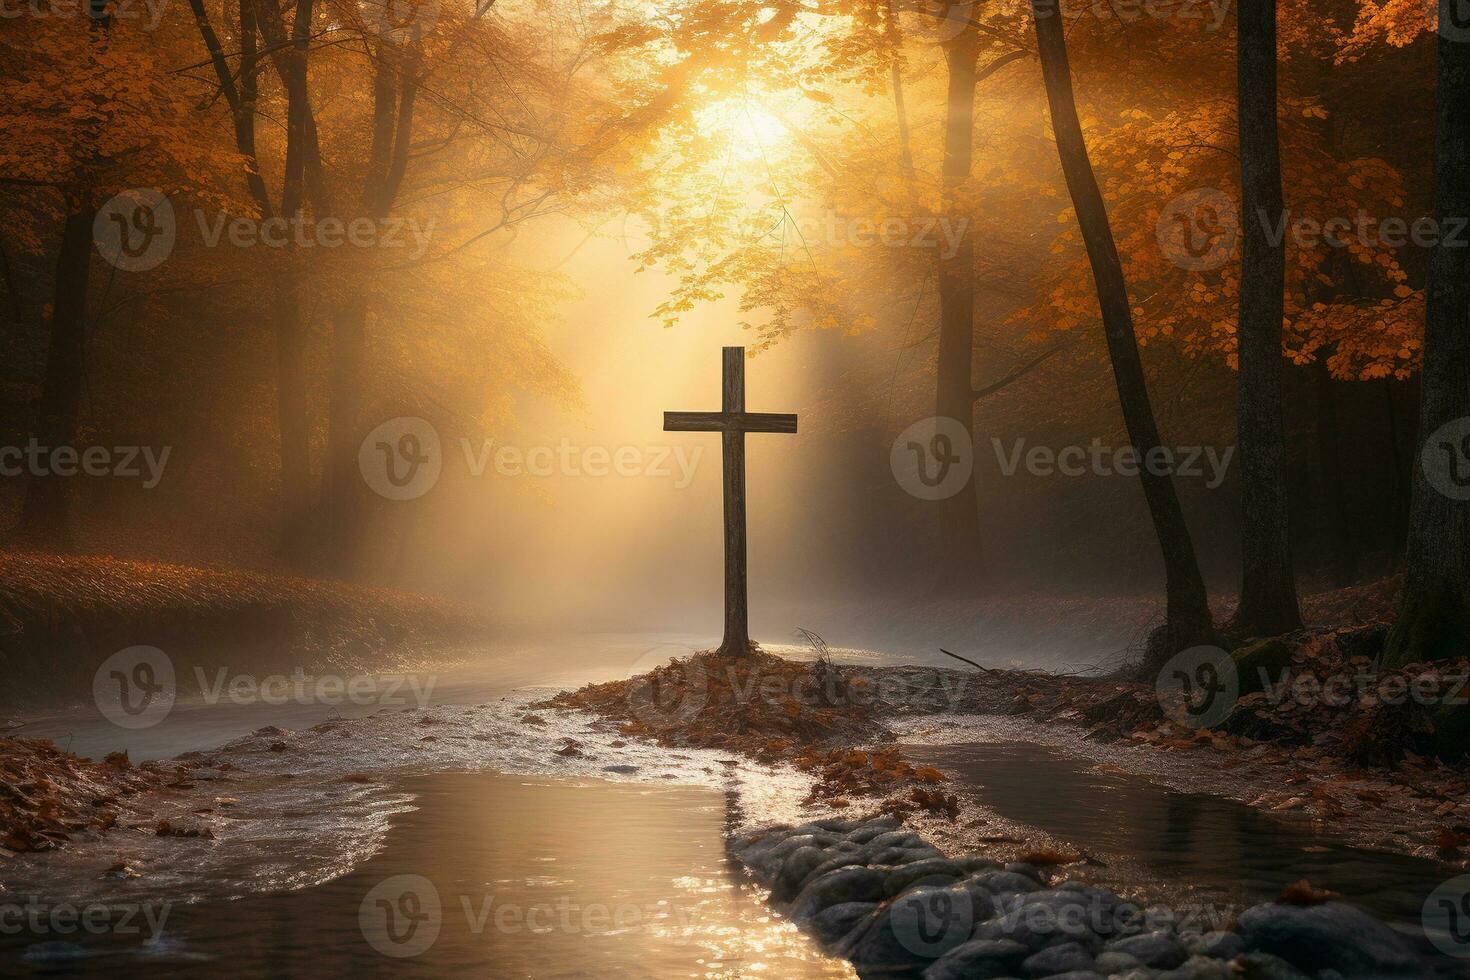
(753,132)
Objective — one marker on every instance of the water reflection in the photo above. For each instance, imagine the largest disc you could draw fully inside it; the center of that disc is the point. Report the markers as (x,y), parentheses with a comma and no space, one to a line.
(490,876)
(1223,851)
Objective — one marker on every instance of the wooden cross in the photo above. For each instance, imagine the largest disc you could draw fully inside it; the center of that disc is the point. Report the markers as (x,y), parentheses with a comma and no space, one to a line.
(733,422)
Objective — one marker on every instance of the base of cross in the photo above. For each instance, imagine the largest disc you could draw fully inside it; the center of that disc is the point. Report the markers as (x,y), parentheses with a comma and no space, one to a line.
(740,647)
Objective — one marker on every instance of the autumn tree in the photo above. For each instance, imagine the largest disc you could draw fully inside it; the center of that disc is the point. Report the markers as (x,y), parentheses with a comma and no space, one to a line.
(92,111)
(1434,613)
(1268,603)
(1188,621)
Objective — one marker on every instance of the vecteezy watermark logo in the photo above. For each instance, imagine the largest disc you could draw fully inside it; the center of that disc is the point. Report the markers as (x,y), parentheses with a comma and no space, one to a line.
(664,689)
(1454,20)
(401,21)
(929,921)
(138,229)
(401,459)
(135,231)
(135,688)
(401,916)
(1446,459)
(1446,917)
(937,21)
(404,915)
(1198,230)
(1198,687)
(933,458)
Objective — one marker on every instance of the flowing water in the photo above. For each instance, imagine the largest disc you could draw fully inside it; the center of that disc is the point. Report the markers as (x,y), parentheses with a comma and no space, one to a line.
(1228,853)
(458,833)
(492,876)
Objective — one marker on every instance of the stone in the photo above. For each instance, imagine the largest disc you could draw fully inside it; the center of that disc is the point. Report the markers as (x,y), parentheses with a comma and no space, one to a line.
(835,887)
(1332,936)
(1222,945)
(1029,870)
(973,863)
(871,829)
(1200,968)
(1156,949)
(765,860)
(918,926)
(900,855)
(1057,959)
(836,825)
(1264,966)
(831,925)
(1042,919)
(761,836)
(1109,963)
(1005,882)
(979,960)
(832,860)
(930,871)
(1260,663)
(795,870)
(895,838)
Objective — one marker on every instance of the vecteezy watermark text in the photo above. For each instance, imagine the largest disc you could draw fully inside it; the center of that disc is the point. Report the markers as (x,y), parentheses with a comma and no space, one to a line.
(569,459)
(402,916)
(932,231)
(299,687)
(403,458)
(136,688)
(1199,230)
(122,462)
(666,685)
(137,230)
(35,917)
(119,10)
(1099,460)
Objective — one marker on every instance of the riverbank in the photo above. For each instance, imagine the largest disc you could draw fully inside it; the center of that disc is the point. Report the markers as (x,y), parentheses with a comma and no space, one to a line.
(897,906)
(842,723)
(61,616)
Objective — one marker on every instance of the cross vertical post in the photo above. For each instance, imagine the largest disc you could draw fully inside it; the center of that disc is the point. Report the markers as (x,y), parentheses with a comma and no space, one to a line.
(737,592)
(733,422)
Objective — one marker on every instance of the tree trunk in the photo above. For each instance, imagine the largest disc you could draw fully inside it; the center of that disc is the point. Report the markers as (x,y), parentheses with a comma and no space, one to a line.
(955,386)
(1434,614)
(1268,603)
(45,518)
(395,87)
(1187,612)
(292,402)
(1344,539)
(292,410)
(343,500)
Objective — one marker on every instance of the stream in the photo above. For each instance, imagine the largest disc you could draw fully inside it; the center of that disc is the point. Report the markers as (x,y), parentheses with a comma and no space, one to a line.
(607,861)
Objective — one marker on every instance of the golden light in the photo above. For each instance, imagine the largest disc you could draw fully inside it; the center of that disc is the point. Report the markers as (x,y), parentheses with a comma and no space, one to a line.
(752,132)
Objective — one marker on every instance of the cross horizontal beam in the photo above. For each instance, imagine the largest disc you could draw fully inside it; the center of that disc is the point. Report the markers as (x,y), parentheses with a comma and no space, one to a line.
(729,422)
